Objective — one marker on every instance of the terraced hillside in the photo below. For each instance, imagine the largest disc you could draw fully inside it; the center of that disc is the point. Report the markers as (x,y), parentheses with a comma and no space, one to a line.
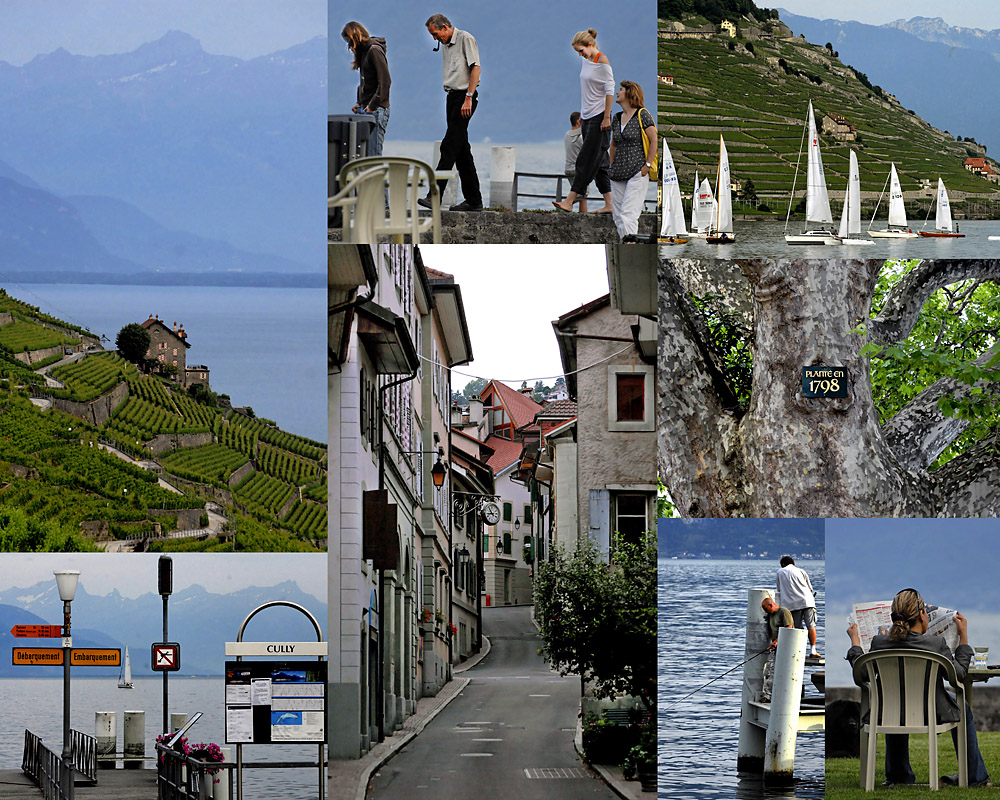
(755,91)
(152,470)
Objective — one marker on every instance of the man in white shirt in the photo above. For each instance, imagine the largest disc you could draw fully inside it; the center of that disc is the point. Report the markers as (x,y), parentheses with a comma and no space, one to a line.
(798,596)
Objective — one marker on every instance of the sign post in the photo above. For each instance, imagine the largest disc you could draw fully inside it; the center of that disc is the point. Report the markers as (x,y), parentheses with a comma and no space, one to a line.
(165,585)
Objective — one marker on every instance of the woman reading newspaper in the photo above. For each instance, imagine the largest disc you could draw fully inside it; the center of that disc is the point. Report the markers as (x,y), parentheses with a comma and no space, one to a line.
(909,630)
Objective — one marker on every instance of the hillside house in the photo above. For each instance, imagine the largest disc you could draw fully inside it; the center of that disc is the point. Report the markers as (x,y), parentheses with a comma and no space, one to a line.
(666,80)
(839,128)
(728,28)
(982,168)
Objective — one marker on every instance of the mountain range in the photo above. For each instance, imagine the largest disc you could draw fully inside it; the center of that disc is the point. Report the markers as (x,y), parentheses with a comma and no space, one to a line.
(930,67)
(169,157)
(201,621)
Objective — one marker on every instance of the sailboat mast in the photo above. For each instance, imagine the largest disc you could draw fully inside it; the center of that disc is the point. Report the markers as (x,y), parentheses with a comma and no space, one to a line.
(718,189)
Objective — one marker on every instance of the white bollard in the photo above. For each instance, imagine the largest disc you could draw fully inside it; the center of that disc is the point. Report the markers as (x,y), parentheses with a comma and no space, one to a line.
(177,721)
(450,196)
(502,163)
(783,724)
(750,755)
(106,733)
(221,789)
(135,739)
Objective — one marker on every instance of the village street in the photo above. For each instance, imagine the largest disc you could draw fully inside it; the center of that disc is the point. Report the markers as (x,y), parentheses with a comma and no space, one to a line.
(508,734)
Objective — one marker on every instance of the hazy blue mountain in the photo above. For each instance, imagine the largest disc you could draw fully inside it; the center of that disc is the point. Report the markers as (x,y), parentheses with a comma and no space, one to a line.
(935,29)
(220,147)
(201,621)
(39,231)
(945,85)
(531,75)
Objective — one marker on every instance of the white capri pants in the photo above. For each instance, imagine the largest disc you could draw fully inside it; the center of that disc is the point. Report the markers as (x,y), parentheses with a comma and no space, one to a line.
(627,198)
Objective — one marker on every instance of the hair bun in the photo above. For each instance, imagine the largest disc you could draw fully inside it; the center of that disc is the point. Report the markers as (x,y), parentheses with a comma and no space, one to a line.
(592,32)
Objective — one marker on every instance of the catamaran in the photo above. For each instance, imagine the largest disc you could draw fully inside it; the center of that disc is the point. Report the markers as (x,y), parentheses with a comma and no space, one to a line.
(817,199)
(722,226)
(125,675)
(942,216)
(850,219)
(672,229)
(897,228)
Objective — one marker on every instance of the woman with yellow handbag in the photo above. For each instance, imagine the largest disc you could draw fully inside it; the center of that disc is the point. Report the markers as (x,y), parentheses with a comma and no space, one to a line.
(633,158)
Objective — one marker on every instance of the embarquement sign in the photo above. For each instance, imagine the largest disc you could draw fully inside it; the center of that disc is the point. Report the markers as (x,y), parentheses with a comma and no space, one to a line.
(79,657)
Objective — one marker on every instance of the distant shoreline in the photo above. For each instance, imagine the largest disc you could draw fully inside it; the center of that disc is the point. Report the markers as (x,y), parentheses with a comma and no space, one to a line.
(272,280)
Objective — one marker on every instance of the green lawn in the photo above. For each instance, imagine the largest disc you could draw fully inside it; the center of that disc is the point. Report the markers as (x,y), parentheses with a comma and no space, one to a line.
(842,773)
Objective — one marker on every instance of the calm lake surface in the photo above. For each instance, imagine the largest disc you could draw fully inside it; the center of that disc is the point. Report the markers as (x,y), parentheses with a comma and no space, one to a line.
(265,347)
(766,239)
(36,704)
(702,627)
(541,157)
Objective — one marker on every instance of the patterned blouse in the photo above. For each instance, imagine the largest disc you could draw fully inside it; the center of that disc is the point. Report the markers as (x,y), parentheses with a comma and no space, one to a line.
(630,157)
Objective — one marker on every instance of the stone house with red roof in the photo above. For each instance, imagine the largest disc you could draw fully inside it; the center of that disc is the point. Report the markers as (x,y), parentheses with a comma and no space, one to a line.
(169,346)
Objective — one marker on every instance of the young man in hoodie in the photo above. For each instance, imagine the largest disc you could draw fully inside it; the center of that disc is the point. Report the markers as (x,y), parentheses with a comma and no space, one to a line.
(373,90)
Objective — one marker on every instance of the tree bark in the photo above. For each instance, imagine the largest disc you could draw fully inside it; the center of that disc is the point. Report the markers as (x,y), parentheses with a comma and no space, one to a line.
(797,456)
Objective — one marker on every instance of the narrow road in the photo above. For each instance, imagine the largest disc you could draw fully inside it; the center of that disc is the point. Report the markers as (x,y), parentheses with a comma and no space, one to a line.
(509,734)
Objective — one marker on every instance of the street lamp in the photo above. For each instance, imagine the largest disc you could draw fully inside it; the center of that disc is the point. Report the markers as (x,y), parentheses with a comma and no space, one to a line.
(66,580)
(438,471)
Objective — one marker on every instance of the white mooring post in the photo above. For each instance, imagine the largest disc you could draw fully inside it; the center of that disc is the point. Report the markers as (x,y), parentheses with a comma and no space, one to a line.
(178,719)
(750,756)
(502,163)
(135,739)
(783,724)
(450,196)
(106,733)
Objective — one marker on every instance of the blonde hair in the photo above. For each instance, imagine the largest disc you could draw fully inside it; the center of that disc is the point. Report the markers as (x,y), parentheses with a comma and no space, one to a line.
(633,93)
(585,38)
(906,608)
(355,34)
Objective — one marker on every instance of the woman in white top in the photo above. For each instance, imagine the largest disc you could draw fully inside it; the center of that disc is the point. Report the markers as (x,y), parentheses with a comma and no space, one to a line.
(597,90)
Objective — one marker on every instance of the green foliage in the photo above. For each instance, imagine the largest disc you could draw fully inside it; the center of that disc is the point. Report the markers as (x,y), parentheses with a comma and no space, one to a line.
(92,376)
(606,742)
(598,620)
(22,532)
(955,327)
(202,394)
(731,343)
(20,337)
(132,342)
(713,10)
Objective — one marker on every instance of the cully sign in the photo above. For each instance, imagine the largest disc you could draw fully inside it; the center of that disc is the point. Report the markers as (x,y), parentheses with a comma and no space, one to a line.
(824,381)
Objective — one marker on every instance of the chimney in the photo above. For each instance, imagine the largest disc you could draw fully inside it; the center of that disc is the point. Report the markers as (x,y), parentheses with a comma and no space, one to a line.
(456,415)
(175,326)
(475,409)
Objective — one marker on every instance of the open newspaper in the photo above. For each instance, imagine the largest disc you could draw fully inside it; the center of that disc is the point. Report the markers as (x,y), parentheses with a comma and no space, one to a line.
(874,618)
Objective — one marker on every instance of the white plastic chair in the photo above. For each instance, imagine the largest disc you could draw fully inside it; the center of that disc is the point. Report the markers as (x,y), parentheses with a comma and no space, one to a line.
(360,200)
(898,692)
(405,177)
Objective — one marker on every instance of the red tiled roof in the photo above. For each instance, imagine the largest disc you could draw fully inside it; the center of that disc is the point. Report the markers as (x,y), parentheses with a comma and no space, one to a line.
(505,453)
(436,274)
(975,162)
(522,409)
(558,408)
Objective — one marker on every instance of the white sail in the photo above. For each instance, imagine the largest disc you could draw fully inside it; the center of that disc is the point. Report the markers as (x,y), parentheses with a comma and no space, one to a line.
(942,220)
(125,676)
(673,210)
(706,206)
(694,205)
(850,221)
(723,191)
(817,200)
(897,212)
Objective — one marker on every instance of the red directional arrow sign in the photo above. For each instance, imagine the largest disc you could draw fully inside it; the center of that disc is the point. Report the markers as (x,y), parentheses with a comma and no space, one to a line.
(36,631)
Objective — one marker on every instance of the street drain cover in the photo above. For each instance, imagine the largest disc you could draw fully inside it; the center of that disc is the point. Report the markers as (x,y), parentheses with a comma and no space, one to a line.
(554,773)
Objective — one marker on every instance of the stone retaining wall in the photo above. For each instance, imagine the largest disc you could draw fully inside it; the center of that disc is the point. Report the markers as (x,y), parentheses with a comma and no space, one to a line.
(33,356)
(219,495)
(97,411)
(534,227)
(240,474)
(169,441)
(187,518)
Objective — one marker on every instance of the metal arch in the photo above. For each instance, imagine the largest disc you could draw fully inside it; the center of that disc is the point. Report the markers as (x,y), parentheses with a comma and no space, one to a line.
(289,604)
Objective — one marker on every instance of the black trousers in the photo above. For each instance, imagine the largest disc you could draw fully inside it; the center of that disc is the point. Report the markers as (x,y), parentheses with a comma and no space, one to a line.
(455,149)
(592,163)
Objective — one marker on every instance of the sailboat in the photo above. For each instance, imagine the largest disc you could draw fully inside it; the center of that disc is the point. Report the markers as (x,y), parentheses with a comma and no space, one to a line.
(672,229)
(722,229)
(897,228)
(942,216)
(817,199)
(125,676)
(702,209)
(850,219)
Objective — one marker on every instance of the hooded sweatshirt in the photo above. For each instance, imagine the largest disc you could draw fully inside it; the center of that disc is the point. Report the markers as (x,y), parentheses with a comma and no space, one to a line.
(373,92)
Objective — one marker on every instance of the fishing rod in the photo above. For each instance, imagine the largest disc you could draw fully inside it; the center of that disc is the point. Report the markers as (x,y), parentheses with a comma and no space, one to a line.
(685,697)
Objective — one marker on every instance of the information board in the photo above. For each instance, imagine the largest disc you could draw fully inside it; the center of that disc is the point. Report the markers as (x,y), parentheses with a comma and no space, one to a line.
(275,702)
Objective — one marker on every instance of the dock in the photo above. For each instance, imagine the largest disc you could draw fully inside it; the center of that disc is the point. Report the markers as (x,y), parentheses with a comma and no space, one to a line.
(117,784)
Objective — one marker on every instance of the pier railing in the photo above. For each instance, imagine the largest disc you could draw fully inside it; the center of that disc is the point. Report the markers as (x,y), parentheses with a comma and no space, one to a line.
(183,777)
(558,196)
(45,767)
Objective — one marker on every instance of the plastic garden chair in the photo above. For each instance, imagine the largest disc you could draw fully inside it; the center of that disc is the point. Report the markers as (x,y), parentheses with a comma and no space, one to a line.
(898,692)
(401,217)
(360,198)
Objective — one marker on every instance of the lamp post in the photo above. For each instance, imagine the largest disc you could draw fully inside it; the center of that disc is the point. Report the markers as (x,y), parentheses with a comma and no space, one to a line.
(165,585)
(66,580)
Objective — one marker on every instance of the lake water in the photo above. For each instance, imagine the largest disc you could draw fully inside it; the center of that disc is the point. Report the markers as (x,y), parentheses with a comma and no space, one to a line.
(265,347)
(541,157)
(701,631)
(36,704)
(765,239)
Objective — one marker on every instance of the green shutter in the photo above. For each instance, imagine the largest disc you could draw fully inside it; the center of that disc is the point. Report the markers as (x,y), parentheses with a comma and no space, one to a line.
(508,512)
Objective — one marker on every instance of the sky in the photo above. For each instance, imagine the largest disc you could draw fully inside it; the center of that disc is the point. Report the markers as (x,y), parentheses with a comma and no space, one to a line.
(952,563)
(241,28)
(983,14)
(134,574)
(511,294)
